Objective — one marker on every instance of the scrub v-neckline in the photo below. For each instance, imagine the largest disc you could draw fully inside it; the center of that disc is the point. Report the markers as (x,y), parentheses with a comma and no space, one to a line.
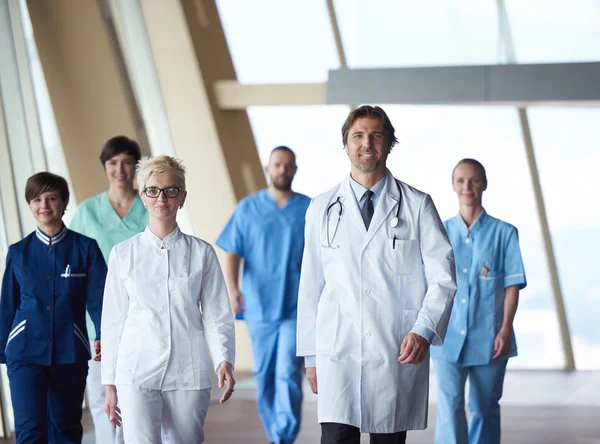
(114,212)
(272,200)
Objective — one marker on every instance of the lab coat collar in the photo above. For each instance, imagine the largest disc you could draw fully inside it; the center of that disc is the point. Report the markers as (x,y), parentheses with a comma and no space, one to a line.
(51,240)
(165,243)
(350,205)
(476,226)
(359,190)
(387,201)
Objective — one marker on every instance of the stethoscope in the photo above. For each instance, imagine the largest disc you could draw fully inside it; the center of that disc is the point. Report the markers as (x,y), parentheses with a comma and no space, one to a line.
(393,221)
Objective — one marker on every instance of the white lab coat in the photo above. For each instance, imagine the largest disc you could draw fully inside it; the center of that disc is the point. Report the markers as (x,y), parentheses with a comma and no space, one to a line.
(165,308)
(356,304)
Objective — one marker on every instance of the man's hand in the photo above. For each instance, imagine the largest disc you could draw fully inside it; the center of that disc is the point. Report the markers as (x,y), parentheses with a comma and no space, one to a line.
(225,375)
(97,350)
(237,301)
(311,375)
(110,406)
(502,343)
(413,349)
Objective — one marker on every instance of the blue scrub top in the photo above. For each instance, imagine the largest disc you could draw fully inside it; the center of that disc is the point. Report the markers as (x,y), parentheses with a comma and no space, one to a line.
(488,260)
(271,241)
(48,284)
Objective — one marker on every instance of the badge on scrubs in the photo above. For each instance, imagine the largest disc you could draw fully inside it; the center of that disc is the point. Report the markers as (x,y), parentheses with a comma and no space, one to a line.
(68,274)
(484,271)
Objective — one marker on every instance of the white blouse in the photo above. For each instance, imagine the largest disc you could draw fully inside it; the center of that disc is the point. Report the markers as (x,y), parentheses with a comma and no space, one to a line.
(165,308)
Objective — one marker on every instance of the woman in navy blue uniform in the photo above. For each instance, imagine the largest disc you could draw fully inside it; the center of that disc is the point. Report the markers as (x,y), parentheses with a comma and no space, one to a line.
(51,277)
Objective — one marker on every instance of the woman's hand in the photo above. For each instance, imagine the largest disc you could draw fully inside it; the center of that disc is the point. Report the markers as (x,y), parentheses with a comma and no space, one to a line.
(225,375)
(110,406)
(97,350)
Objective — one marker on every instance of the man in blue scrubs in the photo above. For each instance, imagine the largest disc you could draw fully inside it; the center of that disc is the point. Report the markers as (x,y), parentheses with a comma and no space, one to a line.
(480,336)
(267,231)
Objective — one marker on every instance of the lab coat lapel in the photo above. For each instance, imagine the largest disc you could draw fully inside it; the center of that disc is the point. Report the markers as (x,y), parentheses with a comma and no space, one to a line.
(351,206)
(387,202)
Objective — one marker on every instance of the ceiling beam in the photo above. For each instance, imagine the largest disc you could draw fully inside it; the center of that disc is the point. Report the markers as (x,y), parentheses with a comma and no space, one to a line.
(554,84)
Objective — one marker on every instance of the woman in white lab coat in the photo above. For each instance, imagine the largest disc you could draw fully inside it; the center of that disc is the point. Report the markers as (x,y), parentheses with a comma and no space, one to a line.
(165,308)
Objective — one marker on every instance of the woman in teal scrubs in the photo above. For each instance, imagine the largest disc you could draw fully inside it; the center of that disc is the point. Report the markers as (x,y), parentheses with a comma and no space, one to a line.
(480,337)
(111,217)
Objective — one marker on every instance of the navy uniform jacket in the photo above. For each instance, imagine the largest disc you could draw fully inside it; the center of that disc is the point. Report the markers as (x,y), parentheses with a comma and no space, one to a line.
(47,284)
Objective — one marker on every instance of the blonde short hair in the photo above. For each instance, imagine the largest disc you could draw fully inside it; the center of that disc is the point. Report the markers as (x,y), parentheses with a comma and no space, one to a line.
(159,164)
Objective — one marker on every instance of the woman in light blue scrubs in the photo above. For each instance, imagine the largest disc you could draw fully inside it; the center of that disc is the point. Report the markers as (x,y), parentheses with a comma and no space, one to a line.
(111,217)
(480,336)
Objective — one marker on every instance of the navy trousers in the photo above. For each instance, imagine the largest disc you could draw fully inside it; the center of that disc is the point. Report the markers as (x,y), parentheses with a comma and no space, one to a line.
(47,402)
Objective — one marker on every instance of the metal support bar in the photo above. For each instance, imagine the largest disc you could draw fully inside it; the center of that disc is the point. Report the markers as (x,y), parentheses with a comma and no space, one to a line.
(335,27)
(550,258)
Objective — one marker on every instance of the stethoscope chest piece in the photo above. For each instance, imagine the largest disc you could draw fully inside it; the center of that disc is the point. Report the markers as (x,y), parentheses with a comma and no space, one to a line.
(394,222)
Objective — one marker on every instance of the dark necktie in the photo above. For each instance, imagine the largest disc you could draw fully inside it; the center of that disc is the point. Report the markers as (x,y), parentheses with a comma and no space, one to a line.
(368,209)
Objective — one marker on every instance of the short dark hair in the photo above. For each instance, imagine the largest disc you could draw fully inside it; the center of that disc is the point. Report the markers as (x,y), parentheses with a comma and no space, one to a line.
(284,149)
(120,144)
(41,183)
(469,161)
(371,112)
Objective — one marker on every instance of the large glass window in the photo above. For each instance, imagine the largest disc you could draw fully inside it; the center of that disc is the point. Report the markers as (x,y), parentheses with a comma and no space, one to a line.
(394,33)
(313,132)
(555,31)
(432,140)
(54,159)
(567,142)
(273,41)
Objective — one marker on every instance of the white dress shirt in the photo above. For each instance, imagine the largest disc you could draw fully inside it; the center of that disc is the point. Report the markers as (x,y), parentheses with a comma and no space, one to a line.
(165,308)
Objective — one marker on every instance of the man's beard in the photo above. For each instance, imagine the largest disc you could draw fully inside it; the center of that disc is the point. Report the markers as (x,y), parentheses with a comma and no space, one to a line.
(282,185)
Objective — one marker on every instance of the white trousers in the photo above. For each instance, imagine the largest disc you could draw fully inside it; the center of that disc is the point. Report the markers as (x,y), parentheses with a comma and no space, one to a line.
(156,417)
(103,430)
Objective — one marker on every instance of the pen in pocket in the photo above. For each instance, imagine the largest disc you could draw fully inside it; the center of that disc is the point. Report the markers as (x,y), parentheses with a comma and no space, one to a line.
(484,271)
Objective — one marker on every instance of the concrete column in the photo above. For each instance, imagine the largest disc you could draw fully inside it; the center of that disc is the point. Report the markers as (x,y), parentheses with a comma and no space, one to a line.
(218,148)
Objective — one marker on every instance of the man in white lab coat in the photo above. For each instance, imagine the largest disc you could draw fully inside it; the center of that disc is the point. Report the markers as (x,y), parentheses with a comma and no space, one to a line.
(376,290)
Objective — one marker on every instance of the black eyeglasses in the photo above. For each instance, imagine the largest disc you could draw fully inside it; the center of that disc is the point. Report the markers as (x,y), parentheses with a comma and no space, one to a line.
(169,193)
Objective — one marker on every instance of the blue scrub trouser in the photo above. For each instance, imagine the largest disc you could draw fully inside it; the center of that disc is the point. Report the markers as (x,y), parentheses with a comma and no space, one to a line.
(278,375)
(47,401)
(485,390)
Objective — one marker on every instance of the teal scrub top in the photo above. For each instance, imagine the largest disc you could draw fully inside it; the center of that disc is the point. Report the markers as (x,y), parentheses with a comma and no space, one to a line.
(96,218)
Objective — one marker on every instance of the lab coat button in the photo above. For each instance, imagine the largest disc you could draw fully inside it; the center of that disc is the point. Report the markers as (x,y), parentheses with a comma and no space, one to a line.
(368,334)
(468,241)
(463,300)
(462,332)
(367,291)
(465,270)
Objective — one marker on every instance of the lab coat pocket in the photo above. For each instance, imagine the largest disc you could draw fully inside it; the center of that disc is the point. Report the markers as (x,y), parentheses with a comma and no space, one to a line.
(327,325)
(402,256)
